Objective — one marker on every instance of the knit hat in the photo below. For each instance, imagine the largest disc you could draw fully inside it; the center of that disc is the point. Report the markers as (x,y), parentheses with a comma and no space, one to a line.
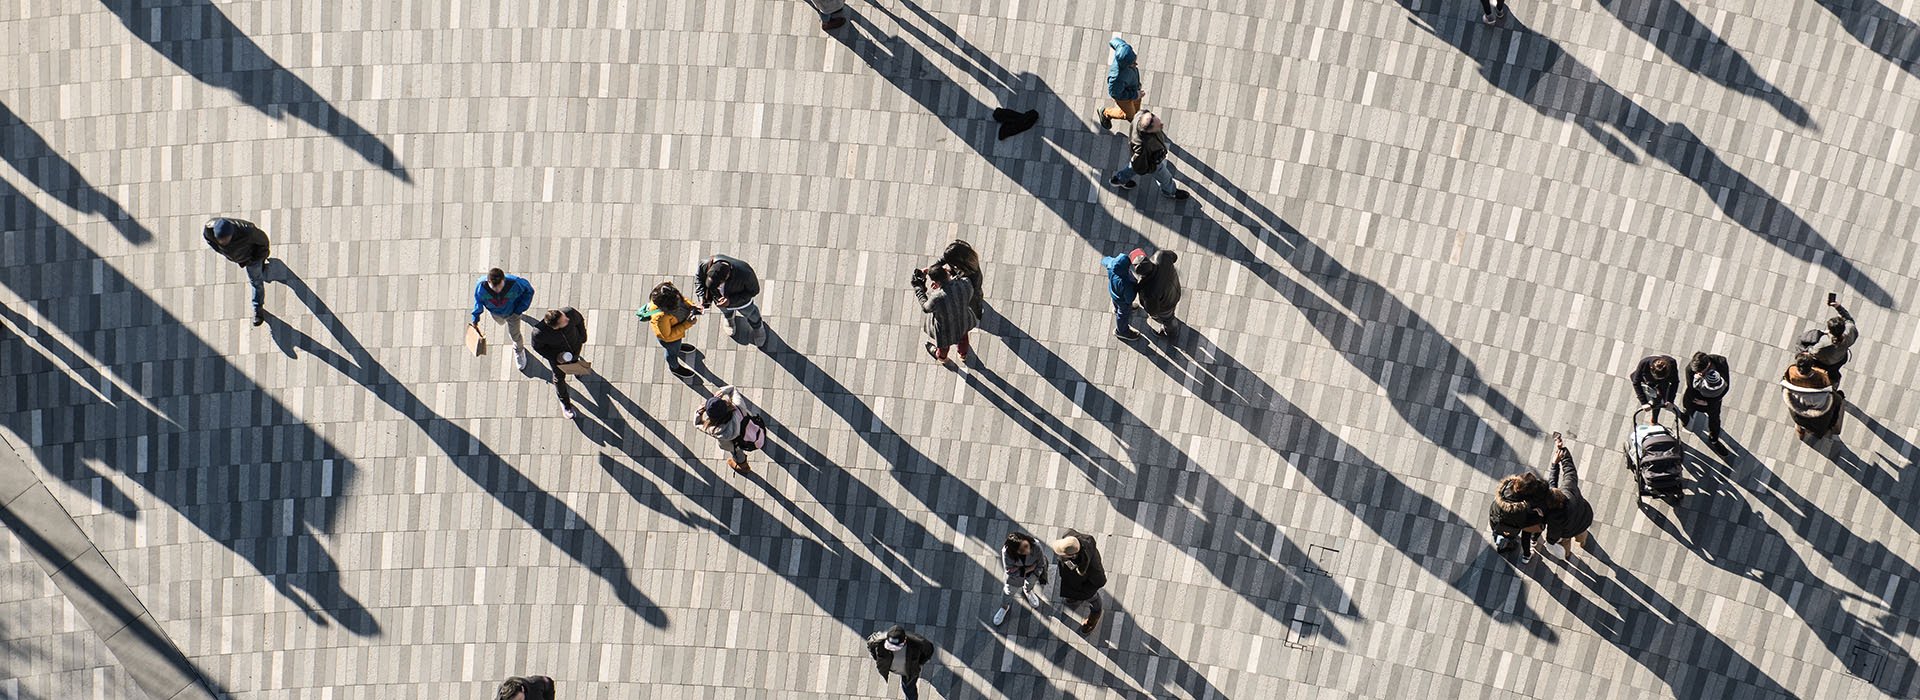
(1712,381)
(896,638)
(1066,546)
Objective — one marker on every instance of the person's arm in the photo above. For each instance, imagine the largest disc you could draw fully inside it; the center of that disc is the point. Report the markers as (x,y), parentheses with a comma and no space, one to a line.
(1016,577)
(525,301)
(700,284)
(749,286)
(476,305)
(1097,573)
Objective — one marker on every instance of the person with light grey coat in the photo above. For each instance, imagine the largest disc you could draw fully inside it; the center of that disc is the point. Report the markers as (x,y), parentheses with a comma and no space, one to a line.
(1025,564)
(948,304)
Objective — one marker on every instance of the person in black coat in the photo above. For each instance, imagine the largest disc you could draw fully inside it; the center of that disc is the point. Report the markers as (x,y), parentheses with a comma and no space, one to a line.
(963,261)
(525,688)
(559,336)
(1655,380)
(243,244)
(1707,381)
(1518,513)
(731,283)
(898,651)
(1082,575)
(1160,291)
(1568,515)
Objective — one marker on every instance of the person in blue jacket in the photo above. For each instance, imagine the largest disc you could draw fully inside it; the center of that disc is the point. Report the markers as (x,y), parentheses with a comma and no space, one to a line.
(504,297)
(1123,288)
(1123,84)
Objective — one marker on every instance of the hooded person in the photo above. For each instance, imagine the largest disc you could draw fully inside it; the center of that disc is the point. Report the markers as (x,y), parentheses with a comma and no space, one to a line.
(898,651)
(1123,289)
(1082,575)
(1159,288)
(1123,83)
(1812,399)
(244,244)
(1518,513)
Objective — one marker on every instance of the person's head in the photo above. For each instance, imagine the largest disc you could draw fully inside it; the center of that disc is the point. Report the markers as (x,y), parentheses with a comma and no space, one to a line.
(224,230)
(497,280)
(716,412)
(1805,364)
(514,688)
(1018,545)
(1661,368)
(1836,326)
(1712,380)
(1067,547)
(896,638)
(1144,268)
(1149,122)
(1165,258)
(1524,485)
(555,318)
(720,271)
(939,275)
(665,296)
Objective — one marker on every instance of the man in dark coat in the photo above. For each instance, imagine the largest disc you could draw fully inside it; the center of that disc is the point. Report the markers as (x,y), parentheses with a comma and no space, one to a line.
(1082,575)
(1655,381)
(731,283)
(1568,515)
(1159,290)
(898,651)
(559,337)
(243,244)
(1707,381)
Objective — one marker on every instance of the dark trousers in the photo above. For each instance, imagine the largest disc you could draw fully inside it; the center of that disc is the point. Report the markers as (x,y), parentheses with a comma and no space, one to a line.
(1093,604)
(910,686)
(1489,6)
(560,387)
(1710,408)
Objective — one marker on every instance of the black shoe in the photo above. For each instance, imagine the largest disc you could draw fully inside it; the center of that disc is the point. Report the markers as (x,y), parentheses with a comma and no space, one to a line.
(1719,447)
(1122,184)
(1106,122)
(259,317)
(832,23)
(1127,334)
(1178,195)
(1500,13)
(683,371)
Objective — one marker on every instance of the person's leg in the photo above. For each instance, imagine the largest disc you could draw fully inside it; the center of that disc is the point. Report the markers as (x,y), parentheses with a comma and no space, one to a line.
(966,347)
(939,352)
(739,456)
(257,279)
(560,389)
(1122,109)
(1164,175)
(1121,316)
(512,322)
(672,350)
(1124,178)
(910,686)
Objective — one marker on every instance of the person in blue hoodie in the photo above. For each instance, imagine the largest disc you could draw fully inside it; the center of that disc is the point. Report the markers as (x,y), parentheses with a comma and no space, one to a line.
(1123,84)
(1123,289)
(504,297)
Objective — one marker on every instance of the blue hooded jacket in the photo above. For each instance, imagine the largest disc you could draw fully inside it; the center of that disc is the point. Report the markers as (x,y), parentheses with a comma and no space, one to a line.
(516,300)
(1121,285)
(1123,77)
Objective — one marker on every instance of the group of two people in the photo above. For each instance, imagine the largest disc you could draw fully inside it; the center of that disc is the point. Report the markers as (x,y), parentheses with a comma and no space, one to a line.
(1528,510)
(1152,282)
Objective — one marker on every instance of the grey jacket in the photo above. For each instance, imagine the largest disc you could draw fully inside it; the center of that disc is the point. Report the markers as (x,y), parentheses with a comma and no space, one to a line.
(1832,350)
(949,311)
(1019,569)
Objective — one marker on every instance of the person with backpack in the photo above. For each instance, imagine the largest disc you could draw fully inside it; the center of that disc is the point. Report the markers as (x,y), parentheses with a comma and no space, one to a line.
(1707,380)
(525,688)
(946,301)
(735,423)
(1123,288)
(504,297)
(1026,567)
(1568,515)
(1123,83)
(963,261)
(1149,147)
(243,244)
(670,315)
(900,652)
(1160,291)
(559,336)
(1655,381)
(1518,513)
(731,283)
(1082,575)
(1831,348)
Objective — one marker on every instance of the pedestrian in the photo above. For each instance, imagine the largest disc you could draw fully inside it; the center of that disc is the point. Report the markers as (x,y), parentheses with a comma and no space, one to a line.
(731,283)
(1813,400)
(1148,143)
(1026,567)
(901,652)
(525,688)
(1518,514)
(832,13)
(243,244)
(1831,348)
(1123,83)
(559,336)
(1082,575)
(1707,376)
(1123,288)
(946,301)
(735,423)
(670,315)
(963,261)
(1493,12)
(1159,285)
(504,297)
(1655,381)
(1568,514)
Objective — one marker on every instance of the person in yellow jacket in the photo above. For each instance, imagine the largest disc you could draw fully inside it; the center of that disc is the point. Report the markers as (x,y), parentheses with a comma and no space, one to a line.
(670,315)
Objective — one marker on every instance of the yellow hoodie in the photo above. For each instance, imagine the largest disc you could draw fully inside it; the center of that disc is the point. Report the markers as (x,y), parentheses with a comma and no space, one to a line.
(668,327)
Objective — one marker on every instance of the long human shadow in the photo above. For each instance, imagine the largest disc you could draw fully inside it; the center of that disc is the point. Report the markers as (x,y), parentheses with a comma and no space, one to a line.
(468,453)
(1743,543)
(1894,480)
(43,166)
(181,440)
(1670,27)
(196,36)
(1563,88)
(1425,531)
(1880,29)
(858,593)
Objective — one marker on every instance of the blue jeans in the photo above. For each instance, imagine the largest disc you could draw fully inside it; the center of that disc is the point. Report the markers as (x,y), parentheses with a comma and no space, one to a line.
(673,351)
(1122,316)
(1163,174)
(257,278)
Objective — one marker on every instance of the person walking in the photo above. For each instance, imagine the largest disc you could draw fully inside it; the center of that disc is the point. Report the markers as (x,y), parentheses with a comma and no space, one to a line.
(900,652)
(963,261)
(1160,291)
(670,315)
(833,13)
(1493,12)
(1655,381)
(1123,288)
(525,688)
(1813,399)
(1082,575)
(1026,567)
(1831,348)
(1148,143)
(1123,83)
(504,298)
(731,283)
(1707,376)
(243,244)
(559,336)
(946,301)
(1568,514)
(735,423)
(1518,514)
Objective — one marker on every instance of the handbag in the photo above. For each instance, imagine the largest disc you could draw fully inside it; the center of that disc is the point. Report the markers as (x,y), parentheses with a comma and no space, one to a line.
(576,367)
(476,341)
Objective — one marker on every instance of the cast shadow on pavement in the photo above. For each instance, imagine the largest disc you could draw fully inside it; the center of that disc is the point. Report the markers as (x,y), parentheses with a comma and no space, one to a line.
(1880,29)
(1894,479)
(30,154)
(1673,29)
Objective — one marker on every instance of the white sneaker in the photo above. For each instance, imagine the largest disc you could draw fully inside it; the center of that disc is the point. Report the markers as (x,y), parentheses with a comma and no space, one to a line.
(1033,598)
(1000,616)
(1557,551)
(568,412)
(520,357)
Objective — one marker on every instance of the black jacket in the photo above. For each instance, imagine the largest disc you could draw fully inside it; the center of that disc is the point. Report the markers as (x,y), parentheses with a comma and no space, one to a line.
(1512,512)
(1160,291)
(549,342)
(1576,515)
(535,687)
(247,247)
(1697,394)
(1083,574)
(1149,151)
(1646,388)
(739,288)
(919,651)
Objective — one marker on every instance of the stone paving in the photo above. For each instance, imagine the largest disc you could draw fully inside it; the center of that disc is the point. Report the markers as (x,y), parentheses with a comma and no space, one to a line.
(1417,246)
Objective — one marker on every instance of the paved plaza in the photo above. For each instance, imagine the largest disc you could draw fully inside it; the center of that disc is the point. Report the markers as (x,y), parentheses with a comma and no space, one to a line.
(1417,246)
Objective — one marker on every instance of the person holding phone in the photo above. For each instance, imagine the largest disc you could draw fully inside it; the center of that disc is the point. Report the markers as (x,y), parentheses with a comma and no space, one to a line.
(1832,348)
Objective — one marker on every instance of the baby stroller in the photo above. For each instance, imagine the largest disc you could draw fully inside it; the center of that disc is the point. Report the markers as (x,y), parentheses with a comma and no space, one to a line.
(1654,457)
